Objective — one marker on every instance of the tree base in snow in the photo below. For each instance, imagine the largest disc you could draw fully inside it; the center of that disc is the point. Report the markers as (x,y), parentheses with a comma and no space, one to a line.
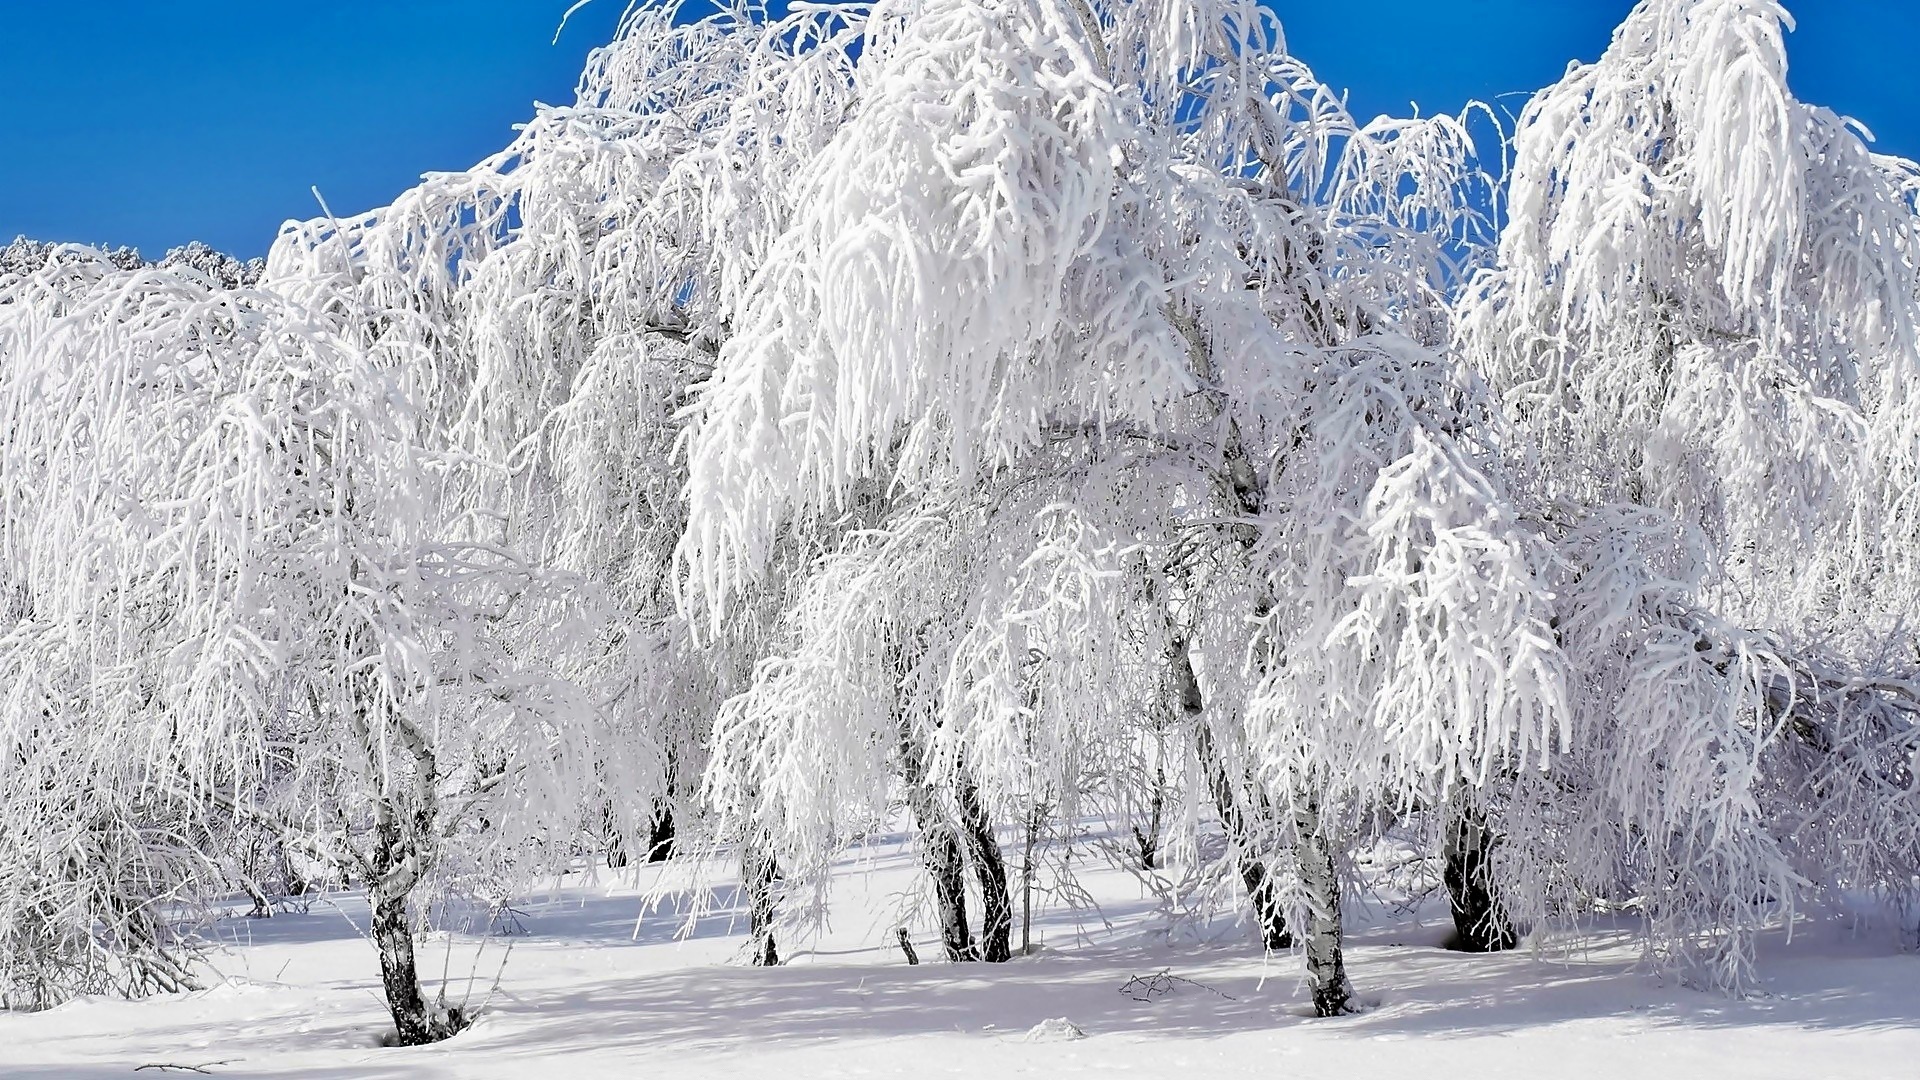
(1480,941)
(437,1025)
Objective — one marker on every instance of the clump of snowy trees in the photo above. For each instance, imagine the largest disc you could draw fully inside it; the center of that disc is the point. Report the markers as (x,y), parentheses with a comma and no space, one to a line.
(1003,414)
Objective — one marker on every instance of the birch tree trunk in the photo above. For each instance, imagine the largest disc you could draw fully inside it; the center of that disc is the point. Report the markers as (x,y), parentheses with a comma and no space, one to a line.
(990,868)
(1326,966)
(940,850)
(397,864)
(940,853)
(617,854)
(405,835)
(1262,895)
(400,973)
(1026,884)
(262,907)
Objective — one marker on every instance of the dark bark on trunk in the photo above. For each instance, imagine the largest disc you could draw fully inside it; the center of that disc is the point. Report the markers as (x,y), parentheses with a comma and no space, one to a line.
(940,851)
(1147,840)
(1326,965)
(1480,922)
(405,847)
(660,836)
(1034,821)
(996,901)
(296,882)
(395,866)
(1262,893)
(660,839)
(759,874)
(906,946)
(1263,898)
(946,846)
(947,867)
(617,854)
(251,873)
(413,1022)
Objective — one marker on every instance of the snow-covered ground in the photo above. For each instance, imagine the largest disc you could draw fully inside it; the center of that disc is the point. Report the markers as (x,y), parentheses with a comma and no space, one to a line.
(588,992)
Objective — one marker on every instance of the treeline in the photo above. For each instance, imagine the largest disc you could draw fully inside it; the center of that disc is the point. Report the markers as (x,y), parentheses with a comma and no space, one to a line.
(1010,414)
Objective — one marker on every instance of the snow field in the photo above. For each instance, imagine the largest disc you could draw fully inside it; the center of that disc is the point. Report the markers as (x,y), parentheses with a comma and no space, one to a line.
(587,992)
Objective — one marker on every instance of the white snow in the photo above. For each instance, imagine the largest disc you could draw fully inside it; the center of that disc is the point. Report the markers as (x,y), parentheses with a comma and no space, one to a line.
(1058,1029)
(584,995)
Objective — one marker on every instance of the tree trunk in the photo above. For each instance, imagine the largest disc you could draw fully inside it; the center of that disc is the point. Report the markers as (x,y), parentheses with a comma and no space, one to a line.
(250,875)
(396,870)
(1026,883)
(262,907)
(616,854)
(660,839)
(1326,971)
(1326,967)
(758,875)
(405,847)
(940,851)
(1480,922)
(414,1023)
(996,901)
(1147,840)
(1262,895)
(296,882)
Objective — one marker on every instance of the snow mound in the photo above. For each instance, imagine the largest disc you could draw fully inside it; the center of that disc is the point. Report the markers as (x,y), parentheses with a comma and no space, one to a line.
(1058,1029)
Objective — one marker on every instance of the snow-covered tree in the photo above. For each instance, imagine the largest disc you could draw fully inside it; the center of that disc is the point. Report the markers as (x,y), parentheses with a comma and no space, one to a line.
(1705,320)
(571,290)
(1144,230)
(290,608)
(95,856)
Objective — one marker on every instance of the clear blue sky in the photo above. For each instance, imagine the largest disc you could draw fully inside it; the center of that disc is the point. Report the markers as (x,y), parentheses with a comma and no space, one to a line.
(152,123)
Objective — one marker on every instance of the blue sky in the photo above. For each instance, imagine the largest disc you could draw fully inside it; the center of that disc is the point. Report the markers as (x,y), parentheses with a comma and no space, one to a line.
(148,123)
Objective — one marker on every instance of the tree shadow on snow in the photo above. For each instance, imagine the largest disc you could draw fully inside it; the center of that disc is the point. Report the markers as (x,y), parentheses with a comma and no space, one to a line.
(719,1007)
(1412,990)
(1807,984)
